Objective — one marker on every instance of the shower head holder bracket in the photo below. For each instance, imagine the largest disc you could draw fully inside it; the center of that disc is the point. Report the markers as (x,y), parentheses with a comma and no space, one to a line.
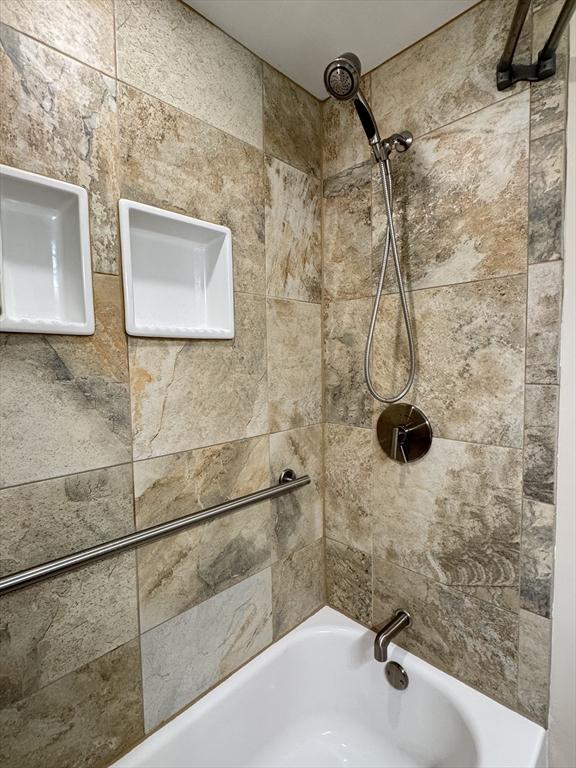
(383,148)
(400,142)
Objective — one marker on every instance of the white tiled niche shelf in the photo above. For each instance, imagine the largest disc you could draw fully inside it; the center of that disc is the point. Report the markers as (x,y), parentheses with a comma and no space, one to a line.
(46,276)
(177,274)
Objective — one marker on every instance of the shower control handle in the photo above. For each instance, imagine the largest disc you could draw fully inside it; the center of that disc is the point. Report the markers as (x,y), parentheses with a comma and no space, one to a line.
(400,435)
(404,433)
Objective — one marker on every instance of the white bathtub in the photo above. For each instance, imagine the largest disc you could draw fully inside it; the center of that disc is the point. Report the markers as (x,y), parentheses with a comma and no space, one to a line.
(318,698)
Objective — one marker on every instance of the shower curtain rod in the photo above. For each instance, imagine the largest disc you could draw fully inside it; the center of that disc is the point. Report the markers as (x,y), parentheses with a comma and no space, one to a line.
(288,482)
(508,73)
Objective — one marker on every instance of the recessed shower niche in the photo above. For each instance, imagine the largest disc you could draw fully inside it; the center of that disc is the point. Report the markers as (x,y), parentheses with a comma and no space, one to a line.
(177,272)
(46,275)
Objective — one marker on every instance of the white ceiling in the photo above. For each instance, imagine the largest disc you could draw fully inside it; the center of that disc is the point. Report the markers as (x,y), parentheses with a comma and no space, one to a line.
(300,37)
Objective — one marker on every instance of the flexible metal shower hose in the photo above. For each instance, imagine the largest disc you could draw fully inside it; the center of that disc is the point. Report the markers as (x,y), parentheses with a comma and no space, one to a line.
(384,166)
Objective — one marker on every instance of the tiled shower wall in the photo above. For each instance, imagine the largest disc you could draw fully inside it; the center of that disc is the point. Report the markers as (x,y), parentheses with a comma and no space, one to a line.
(464,539)
(144,99)
(103,434)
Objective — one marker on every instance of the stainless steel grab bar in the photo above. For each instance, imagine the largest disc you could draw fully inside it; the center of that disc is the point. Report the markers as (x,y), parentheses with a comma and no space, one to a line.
(288,482)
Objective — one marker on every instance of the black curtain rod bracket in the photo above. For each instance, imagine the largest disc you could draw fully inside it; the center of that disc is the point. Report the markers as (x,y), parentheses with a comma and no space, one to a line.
(508,73)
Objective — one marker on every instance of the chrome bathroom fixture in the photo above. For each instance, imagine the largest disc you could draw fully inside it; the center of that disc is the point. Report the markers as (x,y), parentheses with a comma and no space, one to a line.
(342,81)
(396,676)
(288,482)
(508,73)
(404,433)
(397,623)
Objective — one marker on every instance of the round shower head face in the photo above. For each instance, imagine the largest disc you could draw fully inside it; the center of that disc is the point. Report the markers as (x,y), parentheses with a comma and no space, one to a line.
(342,77)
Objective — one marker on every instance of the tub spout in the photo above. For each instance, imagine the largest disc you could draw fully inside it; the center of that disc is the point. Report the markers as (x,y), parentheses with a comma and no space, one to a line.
(382,640)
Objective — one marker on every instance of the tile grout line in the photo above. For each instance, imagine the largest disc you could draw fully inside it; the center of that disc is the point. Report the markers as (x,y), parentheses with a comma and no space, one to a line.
(114,38)
(215,685)
(267,330)
(323,352)
(374,404)
(526,343)
(426,135)
(74,671)
(50,47)
(236,583)
(527,383)
(140,634)
(515,448)
(120,81)
(131,462)
(525,498)
(441,286)
(450,587)
(323,422)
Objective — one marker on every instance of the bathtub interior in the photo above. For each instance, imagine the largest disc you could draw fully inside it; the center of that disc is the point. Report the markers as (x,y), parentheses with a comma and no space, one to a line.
(333,692)
(318,698)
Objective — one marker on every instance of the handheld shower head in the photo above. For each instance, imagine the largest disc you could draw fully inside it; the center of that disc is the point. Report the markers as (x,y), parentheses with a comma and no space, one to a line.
(342,77)
(342,81)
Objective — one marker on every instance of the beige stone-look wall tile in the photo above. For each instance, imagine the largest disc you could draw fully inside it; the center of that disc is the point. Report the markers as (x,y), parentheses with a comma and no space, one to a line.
(549,97)
(294,364)
(547,180)
(214,596)
(543,322)
(540,431)
(537,557)
(297,587)
(453,517)
(349,468)
(346,269)
(297,516)
(349,581)
(470,353)
(50,629)
(478,198)
(507,598)
(292,123)
(88,718)
(170,51)
(181,571)
(64,399)
(448,74)
(451,191)
(345,144)
(534,666)
(188,654)
(188,394)
(171,486)
(83,29)
(58,118)
(460,635)
(171,160)
(346,398)
(52,518)
(293,232)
